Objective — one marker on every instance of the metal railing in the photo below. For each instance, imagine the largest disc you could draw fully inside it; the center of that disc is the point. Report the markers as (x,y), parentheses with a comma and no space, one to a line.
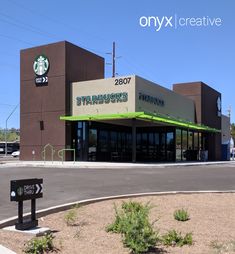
(61,154)
(51,150)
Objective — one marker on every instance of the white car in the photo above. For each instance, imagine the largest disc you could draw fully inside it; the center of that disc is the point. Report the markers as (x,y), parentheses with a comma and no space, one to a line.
(16,154)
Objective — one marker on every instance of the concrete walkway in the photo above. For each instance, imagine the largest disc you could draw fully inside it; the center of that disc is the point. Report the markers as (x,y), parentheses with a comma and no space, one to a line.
(88,164)
(4,250)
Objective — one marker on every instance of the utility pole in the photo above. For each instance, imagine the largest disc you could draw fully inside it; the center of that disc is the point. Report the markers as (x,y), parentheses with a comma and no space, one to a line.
(230,125)
(113,53)
(113,56)
(6,128)
(229,112)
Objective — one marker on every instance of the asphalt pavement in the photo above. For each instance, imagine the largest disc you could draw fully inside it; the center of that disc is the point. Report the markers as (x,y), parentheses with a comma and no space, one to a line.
(63,185)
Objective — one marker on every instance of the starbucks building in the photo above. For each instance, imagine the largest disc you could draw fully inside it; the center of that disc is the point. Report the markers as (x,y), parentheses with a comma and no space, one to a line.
(67,105)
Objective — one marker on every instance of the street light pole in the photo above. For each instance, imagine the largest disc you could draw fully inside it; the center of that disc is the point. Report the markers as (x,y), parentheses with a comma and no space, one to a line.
(6,127)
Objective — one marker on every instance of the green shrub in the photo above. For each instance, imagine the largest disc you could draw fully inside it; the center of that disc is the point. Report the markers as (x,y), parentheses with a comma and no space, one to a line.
(132,206)
(70,217)
(181,215)
(173,238)
(116,226)
(40,245)
(139,235)
(132,221)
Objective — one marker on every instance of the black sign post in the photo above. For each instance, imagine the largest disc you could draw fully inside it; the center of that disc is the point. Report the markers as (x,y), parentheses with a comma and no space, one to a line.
(26,189)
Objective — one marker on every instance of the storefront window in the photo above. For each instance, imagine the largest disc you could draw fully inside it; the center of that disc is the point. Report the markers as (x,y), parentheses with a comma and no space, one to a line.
(178,145)
(113,141)
(157,145)
(170,146)
(184,144)
(196,144)
(151,146)
(79,150)
(138,145)
(92,147)
(163,147)
(200,141)
(104,153)
(190,140)
(144,146)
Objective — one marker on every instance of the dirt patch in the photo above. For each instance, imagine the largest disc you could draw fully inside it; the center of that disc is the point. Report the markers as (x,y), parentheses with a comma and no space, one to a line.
(212,218)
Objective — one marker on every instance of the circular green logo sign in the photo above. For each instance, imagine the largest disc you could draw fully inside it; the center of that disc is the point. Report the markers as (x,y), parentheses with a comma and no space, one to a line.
(219,104)
(41,65)
(20,191)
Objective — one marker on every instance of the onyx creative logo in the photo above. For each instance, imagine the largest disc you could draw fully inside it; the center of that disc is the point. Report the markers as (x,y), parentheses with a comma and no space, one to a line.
(41,67)
(159,23)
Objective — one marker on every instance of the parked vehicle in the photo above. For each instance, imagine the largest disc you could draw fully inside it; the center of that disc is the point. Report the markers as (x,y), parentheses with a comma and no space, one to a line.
(16,154)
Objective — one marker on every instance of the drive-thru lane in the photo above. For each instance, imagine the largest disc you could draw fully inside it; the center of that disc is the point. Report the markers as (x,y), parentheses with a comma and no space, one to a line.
(63,185)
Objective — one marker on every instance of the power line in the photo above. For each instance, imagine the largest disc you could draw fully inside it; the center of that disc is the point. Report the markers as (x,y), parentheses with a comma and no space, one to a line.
(57,21)
(9,65)
(148,74)
(15,39)
(30,28)
(9,105)
(136,68)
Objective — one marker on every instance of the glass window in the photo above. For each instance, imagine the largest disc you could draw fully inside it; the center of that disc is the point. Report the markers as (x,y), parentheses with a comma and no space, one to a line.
(79,124)
(178,145)
(157,144)
(103,141)
(79,133)
(190,140)
(163,147)
(170,140)
(129,141)
(196,145)
(170,146)
(138,142)
(151,147)
(144,146)
(92,147)
(184,144)
(113,141)
(151,139)
(200,141)
(144,142)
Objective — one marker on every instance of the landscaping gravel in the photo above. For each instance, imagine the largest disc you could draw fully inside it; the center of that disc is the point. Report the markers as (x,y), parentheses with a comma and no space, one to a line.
(212,218)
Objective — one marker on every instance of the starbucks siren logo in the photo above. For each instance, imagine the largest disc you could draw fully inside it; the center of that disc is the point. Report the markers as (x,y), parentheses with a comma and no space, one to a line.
(219,104)
(41,65)
(20,191)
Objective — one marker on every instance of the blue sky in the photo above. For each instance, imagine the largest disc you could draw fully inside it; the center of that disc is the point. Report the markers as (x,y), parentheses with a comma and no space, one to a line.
(169,56)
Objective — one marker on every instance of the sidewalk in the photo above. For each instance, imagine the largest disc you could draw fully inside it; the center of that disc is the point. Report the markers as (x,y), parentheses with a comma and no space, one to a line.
(86,164)
(4,250)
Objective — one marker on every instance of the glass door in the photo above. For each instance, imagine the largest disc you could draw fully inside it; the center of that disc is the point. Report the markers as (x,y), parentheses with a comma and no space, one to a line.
(92,145)
(79,143)
(162,151)
(170,147)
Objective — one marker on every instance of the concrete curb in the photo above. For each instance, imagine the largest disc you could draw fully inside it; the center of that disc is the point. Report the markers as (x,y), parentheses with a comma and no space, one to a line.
(110,165)
(54,209)
(4,250)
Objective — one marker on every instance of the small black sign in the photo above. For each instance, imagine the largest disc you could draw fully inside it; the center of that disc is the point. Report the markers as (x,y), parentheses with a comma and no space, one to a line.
(26,189)
(41,80)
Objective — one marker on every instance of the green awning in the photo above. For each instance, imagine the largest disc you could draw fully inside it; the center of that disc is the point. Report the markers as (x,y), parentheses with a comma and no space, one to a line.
(142,116)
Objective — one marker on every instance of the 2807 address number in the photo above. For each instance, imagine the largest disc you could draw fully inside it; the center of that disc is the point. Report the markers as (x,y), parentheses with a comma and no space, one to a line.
(122,81)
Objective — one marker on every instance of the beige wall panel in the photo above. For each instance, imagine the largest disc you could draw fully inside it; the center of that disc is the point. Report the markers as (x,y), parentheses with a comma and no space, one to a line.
(100,87)
(175,105)
(169,104)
